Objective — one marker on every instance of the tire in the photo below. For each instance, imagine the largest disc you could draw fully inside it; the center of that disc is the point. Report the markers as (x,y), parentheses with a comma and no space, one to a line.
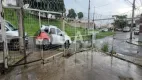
(1,46)
(67,45)
(46,44)
(15,45)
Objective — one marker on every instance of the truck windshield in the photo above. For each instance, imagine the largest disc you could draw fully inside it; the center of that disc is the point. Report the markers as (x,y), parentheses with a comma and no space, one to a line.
(10,26)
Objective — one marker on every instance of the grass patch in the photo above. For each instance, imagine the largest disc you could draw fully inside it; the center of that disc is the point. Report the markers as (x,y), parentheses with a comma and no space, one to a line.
(104,34)
(105,47)
(31,23)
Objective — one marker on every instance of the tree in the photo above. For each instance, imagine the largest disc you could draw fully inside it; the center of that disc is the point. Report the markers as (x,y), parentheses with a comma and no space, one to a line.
(49,5)
(80,15)
(120,21)
(71,14)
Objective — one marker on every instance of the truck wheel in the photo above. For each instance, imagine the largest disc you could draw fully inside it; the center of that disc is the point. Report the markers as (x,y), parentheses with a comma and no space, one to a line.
(45,44)
(15,45)
(67,45)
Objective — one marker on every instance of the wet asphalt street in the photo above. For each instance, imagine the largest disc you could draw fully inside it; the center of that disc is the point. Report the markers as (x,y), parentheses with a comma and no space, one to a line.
(82,66)
(120,45)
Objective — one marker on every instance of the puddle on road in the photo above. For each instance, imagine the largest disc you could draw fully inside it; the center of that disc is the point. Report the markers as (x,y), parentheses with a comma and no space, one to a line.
(76,61)
(125,78)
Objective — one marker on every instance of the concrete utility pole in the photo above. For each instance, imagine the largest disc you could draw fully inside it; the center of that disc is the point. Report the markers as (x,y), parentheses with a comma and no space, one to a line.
(132,24)
(89,15)
(5,53)
(94,19)
(21,29)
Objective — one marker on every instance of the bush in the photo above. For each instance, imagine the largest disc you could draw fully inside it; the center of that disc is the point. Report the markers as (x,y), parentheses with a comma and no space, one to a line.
(105,47)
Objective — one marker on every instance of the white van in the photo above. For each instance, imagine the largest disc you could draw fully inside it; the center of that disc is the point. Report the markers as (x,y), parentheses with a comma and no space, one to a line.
(126,29)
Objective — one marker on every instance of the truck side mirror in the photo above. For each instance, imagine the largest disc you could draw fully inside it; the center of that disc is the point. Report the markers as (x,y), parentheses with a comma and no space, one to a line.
(61,34)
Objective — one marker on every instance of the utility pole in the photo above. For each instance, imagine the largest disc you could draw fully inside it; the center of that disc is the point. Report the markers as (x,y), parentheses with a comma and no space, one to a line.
(5,53)
(132,24)
(20,14)
(89,15)
(94,19)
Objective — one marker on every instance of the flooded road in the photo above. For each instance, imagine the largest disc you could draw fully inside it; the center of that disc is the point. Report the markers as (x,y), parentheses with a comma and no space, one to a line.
(120,45)
(88,65)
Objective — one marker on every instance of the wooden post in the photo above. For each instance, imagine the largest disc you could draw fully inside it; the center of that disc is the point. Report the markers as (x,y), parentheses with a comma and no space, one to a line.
(21,29)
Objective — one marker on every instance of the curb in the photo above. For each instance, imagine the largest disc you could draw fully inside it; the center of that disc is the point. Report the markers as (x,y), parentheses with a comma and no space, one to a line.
(133,43)
(124,59)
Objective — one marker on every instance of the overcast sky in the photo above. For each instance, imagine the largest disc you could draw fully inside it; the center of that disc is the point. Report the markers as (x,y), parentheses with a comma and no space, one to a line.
(103,7)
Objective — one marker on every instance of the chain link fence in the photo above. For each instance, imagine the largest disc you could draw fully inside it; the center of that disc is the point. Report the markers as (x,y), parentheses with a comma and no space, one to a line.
(46,33)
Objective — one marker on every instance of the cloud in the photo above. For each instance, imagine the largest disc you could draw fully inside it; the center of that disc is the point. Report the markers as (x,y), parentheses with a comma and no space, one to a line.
(124,10)
(108,7)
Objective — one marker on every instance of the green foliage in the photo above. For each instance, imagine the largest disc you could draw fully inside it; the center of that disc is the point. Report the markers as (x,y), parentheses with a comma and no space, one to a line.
(80,15)
(120,21)
(105,47)
(71,14)
(104,34)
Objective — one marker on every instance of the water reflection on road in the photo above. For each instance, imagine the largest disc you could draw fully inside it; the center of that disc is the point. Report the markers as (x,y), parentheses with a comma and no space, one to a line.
(82,66)
(120,45)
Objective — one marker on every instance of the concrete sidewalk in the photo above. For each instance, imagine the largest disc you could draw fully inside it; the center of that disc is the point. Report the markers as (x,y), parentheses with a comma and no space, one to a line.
(88,65)
(134,42)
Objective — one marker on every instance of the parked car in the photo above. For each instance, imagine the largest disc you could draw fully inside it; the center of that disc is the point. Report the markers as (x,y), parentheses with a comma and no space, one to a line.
(12,36)
(118,29)
(51,35)
(126,29)
(104,30)
(136,31)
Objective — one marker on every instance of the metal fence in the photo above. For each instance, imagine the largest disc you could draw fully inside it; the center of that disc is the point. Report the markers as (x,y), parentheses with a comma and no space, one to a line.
(47,32)
(40,41)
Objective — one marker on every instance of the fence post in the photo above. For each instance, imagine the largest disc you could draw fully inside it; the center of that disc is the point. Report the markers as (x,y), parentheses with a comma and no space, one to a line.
(21,29)
(5,53)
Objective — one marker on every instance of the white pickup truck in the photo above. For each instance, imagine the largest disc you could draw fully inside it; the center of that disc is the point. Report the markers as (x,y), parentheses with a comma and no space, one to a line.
(12,36)
(51,35)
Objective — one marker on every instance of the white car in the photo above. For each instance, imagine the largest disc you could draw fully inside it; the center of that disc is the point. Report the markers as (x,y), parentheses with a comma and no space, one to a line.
(104,30)
(51,35)
(126,29)
(136,31)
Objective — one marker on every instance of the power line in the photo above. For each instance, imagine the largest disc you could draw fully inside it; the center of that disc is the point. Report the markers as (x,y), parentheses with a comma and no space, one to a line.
(129,2)
(140,1)
(137,2)
(102,5)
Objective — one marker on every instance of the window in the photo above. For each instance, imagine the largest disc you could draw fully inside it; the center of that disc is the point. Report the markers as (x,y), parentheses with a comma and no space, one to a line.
(10,26)
(58,31)
(52,31)
(46,30)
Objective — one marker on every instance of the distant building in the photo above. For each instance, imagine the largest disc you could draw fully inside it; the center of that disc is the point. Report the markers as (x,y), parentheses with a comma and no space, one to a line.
(82,23)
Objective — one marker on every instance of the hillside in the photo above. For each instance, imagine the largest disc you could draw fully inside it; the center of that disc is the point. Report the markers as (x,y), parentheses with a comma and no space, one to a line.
(31,23)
